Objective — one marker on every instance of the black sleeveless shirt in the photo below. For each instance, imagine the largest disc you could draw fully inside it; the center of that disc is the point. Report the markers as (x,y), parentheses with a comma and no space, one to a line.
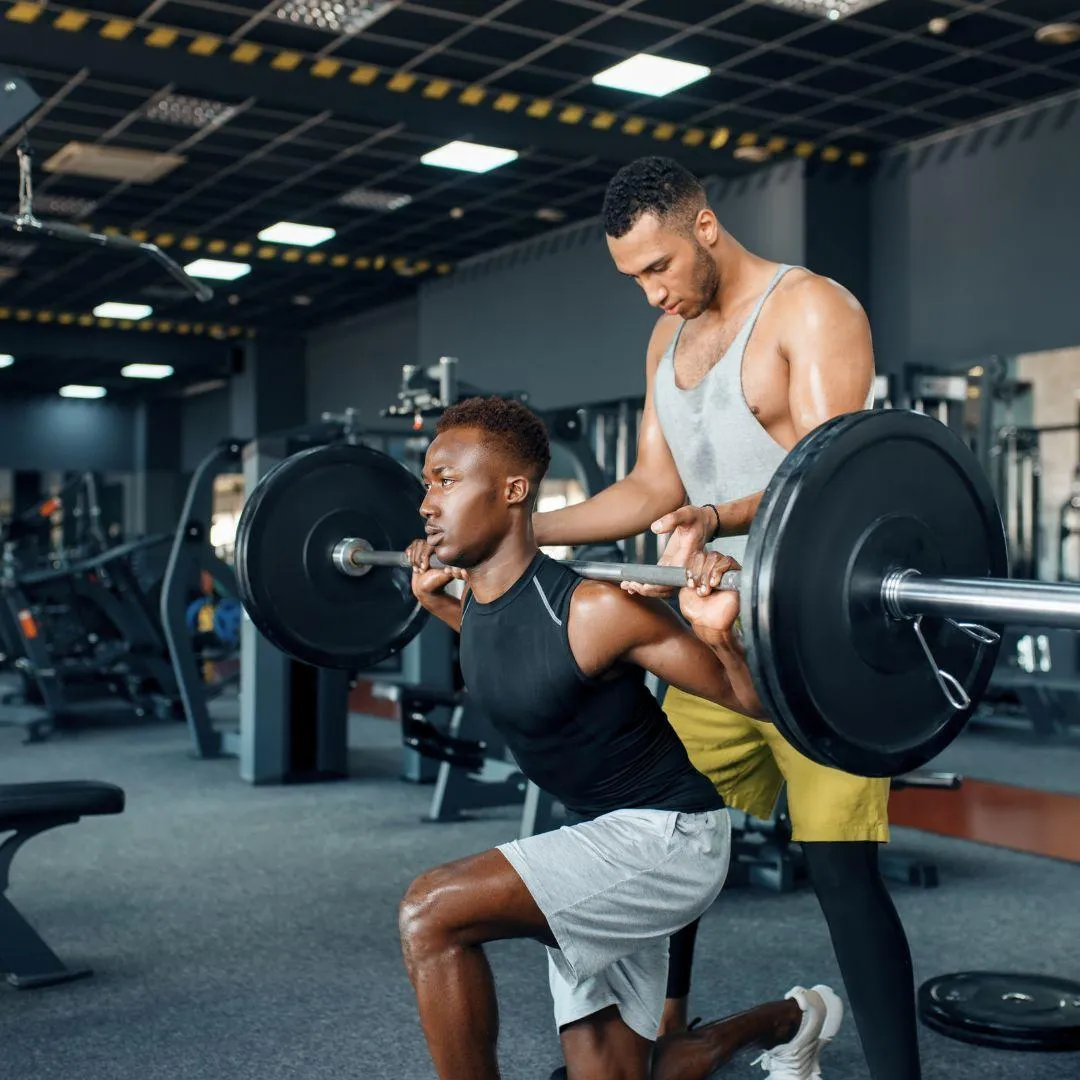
(596,745)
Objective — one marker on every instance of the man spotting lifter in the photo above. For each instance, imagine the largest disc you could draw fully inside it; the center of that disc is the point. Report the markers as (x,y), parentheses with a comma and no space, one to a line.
(557,664)
(748,357)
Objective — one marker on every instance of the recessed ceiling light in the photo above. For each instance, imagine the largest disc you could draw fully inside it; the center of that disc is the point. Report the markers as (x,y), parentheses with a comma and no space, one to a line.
(289,232)
(756,154)
(362,198)
(6,360)
(938,26)
(113,310)
(551,213)
(336,16)
(217,269)
(457,212)
(146,371)
(302,300)
(180,110)
(75,390)
(469,156)
(1062,33)
(655,76)
(64,205)
(652,75)
(833,10)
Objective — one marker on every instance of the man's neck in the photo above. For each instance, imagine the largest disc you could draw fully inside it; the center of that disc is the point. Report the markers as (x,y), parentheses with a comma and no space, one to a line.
(740,274)
(495,575)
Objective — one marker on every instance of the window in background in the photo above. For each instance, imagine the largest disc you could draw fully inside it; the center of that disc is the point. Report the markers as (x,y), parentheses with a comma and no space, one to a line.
(555,495)
(225,514)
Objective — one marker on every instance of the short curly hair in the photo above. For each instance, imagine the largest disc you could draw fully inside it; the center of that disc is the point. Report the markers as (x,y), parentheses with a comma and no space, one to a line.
(652,185)
(508,423)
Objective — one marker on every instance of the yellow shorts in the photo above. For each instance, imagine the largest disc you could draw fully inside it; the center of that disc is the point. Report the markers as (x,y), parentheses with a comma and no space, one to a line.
(748,762)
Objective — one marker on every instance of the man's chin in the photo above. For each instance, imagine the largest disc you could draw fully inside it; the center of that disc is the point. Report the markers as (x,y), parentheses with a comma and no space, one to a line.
(448,554)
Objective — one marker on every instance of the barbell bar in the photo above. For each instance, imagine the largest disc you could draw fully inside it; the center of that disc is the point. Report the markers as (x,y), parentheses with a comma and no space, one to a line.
(904,593)
(873,591)
(354,557)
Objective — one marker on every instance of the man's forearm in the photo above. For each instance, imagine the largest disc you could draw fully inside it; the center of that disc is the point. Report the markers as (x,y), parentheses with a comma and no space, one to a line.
(627,508)
(736,516)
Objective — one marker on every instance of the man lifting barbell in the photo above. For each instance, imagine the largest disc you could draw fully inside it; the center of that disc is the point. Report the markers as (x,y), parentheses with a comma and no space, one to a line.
(557,663)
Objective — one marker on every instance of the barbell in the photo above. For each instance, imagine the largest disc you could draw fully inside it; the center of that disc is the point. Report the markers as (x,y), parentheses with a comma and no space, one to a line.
(872,592)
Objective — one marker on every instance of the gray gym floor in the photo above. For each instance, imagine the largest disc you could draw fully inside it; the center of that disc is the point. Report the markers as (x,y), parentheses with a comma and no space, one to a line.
(250,932)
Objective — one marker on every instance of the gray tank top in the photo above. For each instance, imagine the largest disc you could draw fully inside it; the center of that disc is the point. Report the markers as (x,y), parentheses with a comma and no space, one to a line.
(720,448)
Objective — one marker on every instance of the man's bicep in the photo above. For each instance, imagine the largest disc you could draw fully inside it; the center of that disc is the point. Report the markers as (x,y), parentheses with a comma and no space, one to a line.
(655,462)
(830,356)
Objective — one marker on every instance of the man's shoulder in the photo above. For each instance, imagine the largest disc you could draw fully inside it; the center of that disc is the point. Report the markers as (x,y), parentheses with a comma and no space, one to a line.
(601,604)
(801,289)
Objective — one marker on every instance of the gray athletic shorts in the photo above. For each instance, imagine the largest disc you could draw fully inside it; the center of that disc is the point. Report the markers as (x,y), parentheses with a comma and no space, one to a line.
(613,891)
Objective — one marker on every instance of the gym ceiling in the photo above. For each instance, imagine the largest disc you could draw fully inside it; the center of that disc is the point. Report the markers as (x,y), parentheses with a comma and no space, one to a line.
(319,112)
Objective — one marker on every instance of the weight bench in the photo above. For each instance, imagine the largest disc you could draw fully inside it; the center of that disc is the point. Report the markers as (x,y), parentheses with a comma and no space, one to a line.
(26,810)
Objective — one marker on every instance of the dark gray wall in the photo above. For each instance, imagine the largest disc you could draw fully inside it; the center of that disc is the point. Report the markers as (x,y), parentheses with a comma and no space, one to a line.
(837,207)
(268,392)
(551,316)
(976,242)
(204,423)
(56,434)
(359,363)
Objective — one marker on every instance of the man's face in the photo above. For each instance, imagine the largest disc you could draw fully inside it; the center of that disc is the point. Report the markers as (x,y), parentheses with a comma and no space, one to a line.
(469,496)
(676,271)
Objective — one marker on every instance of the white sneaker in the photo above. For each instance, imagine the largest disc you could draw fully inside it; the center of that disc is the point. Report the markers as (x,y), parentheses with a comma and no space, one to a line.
(834,1017)
(798,1059)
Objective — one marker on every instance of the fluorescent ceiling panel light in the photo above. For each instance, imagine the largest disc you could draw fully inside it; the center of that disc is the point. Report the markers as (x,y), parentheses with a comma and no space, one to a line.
(146,371)
(113,310)
(75,390)
(217,269)
(469,156)
(652,75)
(833,10)
(289,232)
(6,360)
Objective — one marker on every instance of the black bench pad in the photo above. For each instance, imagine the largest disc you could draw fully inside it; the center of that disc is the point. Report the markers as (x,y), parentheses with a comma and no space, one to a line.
(20,803)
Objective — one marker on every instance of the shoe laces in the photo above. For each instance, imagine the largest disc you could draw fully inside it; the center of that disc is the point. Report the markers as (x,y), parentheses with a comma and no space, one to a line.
(784,1063)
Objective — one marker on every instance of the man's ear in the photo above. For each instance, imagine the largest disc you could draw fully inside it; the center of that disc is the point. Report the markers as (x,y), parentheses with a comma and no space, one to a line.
(706,227)
(518,489)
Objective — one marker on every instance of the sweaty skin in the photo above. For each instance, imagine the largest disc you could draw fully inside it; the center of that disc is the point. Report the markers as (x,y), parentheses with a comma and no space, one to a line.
(809,358)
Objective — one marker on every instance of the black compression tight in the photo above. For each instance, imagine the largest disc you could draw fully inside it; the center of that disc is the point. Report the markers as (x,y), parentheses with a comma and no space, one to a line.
(871,949)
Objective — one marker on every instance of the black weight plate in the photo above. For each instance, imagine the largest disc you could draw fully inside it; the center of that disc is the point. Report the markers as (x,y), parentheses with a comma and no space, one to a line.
(284,542)
(864,494)
(1004,1011)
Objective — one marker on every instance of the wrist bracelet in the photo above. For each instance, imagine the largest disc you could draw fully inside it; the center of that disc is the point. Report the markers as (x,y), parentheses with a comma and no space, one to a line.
(715,531)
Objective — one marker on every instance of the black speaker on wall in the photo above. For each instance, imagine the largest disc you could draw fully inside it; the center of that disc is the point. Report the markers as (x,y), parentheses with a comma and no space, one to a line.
(17,100)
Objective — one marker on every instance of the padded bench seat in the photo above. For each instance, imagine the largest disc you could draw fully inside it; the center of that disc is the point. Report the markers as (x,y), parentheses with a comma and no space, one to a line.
(27,810)
(64,798)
